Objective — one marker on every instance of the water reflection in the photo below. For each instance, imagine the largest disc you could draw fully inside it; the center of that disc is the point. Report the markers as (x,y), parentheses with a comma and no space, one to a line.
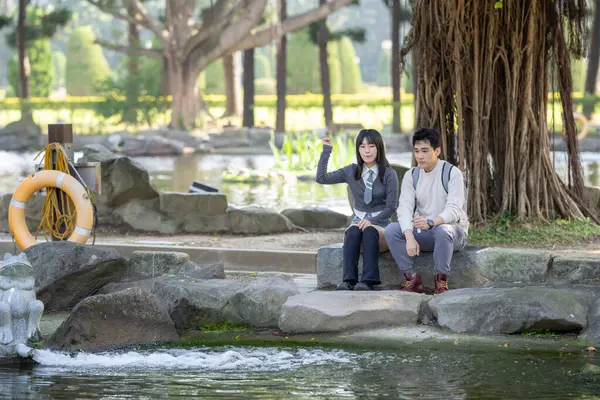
(594,173)
(177,173)
(267,373)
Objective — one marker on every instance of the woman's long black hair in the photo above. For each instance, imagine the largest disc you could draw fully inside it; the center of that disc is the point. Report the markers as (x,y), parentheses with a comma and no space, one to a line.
(373,137)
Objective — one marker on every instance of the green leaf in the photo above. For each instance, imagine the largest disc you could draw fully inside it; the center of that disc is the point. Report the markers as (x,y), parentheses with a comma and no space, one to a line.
(498,4)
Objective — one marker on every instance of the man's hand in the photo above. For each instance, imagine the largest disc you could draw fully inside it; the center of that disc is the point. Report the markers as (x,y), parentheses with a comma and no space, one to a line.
(412,247)
(420,222)
(327,142)
(363,223)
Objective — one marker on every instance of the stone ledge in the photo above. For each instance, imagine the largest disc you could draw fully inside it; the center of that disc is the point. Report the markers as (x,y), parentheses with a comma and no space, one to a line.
(472,267)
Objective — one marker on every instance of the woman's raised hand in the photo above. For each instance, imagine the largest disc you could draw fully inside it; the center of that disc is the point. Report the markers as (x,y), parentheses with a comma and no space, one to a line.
(327,142)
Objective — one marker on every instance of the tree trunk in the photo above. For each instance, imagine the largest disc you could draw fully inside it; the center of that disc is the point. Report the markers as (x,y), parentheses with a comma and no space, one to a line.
(24,67)
(248,120)
(182,83)
(485,88)
(232,86)
(594,60)
(323,38)
(415,81)
(133,62)
(395,67)
(281,72)
(165,90)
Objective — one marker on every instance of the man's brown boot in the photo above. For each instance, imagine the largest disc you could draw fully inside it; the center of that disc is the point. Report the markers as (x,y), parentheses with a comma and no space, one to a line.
(413,283)
(441,283)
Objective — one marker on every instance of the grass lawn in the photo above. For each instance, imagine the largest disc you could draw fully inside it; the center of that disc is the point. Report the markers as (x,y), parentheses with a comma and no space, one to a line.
(509,231)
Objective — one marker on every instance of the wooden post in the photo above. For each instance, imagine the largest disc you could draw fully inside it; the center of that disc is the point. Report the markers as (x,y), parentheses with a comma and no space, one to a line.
(63,134)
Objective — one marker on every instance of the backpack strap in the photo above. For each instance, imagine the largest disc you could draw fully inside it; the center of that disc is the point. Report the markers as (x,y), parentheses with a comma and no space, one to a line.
(446,171)
(415,176)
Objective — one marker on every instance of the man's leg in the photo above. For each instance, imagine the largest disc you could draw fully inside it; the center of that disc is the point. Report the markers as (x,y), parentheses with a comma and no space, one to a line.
(448,239)
(397,243)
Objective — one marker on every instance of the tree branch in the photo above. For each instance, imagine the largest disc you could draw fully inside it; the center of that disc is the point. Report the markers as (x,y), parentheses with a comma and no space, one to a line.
(146,22)
(235,31)
(219,18)
(124,49)
(275,31)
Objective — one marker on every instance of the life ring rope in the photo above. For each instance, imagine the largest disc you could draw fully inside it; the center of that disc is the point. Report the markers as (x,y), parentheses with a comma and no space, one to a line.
(69,203)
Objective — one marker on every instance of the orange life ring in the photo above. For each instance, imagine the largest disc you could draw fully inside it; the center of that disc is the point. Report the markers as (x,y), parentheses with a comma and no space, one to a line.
(50,178)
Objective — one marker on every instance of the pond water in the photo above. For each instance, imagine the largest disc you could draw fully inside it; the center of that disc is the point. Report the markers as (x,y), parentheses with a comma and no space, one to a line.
(302,373)
(177,173)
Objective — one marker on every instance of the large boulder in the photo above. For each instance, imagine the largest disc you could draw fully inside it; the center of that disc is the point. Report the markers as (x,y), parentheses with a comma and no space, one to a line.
(180,136)
(466,271)
(259,302)
(257,220)
(569,269)
(191,303)
(490,311)
(152,146)
(143,215)
(67,272)
(128,317)
(592,331)
(23,134)
(343,311)
(123,179)
(316,218)
(149,264)
(515,265)
(196,212)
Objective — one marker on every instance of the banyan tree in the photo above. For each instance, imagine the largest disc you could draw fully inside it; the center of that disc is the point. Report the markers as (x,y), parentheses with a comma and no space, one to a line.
(484,69)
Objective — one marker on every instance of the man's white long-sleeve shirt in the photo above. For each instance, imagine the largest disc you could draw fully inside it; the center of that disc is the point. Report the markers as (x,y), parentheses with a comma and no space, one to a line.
(431,199)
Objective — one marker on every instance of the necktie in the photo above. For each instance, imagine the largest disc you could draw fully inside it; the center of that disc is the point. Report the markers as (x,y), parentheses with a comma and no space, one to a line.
(369,188)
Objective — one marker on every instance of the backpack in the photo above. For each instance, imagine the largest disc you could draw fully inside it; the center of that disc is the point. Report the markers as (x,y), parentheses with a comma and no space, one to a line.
(416,171)
(446,171)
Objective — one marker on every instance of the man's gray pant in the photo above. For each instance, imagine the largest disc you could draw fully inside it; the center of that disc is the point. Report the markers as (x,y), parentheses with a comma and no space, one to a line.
(443,240)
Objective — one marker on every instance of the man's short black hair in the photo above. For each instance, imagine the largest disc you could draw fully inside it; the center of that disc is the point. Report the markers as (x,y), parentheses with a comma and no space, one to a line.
(430,135)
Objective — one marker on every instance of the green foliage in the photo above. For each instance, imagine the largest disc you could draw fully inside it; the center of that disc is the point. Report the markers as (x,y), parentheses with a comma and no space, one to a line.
(39,25)
(215,78)
(303,75)
(383,73)
(265,86)
(543,333)
(41,78)
(508,230)
(262,67)
(86,66)
(59,61)
(351,81)
(300,151)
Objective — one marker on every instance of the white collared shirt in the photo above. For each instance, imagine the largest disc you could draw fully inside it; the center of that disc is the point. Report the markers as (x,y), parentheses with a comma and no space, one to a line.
(365,177)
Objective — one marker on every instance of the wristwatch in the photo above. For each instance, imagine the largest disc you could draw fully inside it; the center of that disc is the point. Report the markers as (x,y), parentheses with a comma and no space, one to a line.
(430,223)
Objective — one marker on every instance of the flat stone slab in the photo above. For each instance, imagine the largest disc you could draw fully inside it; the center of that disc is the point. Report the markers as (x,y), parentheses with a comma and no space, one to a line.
(489,311)
(466,268)
(344,311)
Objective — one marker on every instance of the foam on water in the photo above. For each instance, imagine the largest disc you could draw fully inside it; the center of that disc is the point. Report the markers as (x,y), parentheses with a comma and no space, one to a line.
(204,359)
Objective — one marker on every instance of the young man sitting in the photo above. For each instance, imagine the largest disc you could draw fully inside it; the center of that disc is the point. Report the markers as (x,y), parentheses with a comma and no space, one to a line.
(431,214)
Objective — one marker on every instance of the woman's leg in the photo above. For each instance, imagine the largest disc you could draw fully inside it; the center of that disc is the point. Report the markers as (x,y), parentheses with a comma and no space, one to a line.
(352,242)
(370,240)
